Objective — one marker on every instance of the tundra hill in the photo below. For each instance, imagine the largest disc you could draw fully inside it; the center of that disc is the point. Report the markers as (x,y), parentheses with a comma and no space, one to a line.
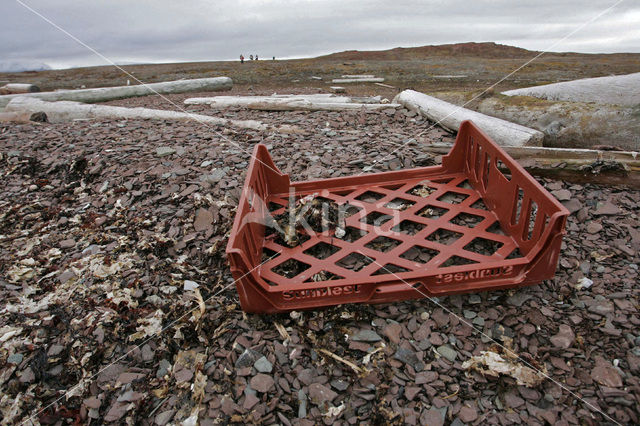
(471,49)
(489,50)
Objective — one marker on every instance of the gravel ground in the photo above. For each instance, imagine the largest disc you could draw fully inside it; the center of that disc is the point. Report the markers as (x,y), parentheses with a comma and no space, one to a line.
(116,291)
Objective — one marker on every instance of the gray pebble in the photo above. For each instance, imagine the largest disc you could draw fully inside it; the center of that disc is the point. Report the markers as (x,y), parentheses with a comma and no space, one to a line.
(262,365)
(366,336)
(339,384)
(474,299)
(163,151)
(302,404)
(163,368)
(447,352)
(15,359)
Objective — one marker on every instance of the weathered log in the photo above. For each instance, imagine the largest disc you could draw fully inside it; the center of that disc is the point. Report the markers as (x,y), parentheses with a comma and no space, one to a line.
(102,94)
(23,117)
(573,165)
(357,76)
(450,116)
(317,102)
(332,98)
(15,117)
(273,105)
(312,95)
(616,90)
(358,80)
(242,101)
(63,111)
(450,76)
(367,99)
(570,155)
(13,88)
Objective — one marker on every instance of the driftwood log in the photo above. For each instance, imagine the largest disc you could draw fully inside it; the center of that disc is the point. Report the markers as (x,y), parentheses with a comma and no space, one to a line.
(615,89)
(102,94)
(358,76)
(272,105)
(573,165)
(450,116)
(318,102)
(240,101)
(358,80)
(63,111)
(14,88)
(388,86)
(15,117)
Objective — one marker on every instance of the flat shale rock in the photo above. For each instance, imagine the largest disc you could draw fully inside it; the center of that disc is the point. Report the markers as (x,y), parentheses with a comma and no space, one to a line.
(432,418)
(68,243)
(468,413)
(562,194)
(164,151)
(203,220)
(339,385)
(606,375)
(512,400)
(411,392)
(409,357)
(116,412)
(320,394)
(250,401)
(366,336)
(601,307)
(393,332)
(519,298)
(594,227)
(607,208)
(572,205)
(92,402)
(262,383)
(565,337)
(164,417)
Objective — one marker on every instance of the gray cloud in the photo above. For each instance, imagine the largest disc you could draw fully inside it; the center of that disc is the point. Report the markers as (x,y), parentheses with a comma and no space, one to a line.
(162,30)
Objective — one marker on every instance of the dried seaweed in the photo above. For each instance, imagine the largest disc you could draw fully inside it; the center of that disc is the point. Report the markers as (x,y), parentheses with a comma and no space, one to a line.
(313,213)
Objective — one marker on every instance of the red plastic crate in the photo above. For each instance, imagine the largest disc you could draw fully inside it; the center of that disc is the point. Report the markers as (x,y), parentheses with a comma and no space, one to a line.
(480,222)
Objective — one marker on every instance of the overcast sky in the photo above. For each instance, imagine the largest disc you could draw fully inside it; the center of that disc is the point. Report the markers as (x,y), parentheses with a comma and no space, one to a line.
(200,30)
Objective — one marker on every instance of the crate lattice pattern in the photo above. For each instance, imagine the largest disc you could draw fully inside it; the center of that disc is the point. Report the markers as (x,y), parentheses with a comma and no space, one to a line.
(418,225)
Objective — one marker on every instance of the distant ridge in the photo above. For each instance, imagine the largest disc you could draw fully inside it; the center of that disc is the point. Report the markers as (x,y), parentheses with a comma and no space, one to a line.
(22,65)
(483,50)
